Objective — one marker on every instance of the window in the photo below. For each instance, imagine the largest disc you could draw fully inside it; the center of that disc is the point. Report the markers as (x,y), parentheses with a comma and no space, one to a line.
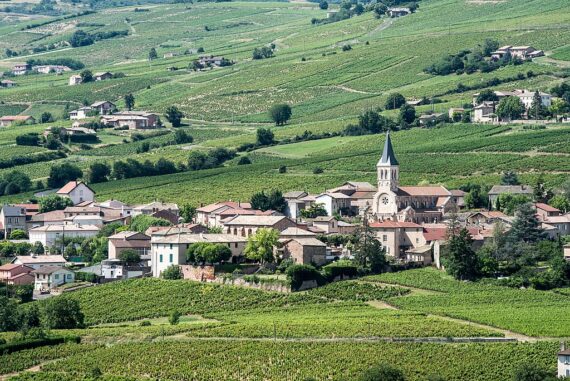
(68,276)
(56,276)
(160,258)
(417,240)
(170,257)
(384,238)
(170,246)
(235,245)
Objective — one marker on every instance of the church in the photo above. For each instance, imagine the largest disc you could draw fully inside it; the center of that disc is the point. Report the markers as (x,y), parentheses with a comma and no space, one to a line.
(418,204)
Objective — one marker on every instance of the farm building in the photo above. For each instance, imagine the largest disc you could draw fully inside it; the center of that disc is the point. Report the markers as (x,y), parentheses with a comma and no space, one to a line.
(134,120)
(103,76)
(399,12)
(7,83)
(21,69)
(522,52)
(75,80)
(46,69)
(8,120)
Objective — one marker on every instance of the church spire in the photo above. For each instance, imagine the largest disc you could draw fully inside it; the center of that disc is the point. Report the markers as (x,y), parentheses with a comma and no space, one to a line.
(388,156)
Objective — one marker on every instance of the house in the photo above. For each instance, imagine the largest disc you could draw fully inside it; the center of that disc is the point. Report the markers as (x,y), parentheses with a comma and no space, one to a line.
(429,119)
(295,203)
(16,274)
(305,250)
(331,13)
(334,203)
(361,195)
(31,211)
(133,120)
(75,80)
(162,231)
(117,269)
(103,107)
(563,361)
(484,113)
(398,12)
(296,233)
(245,226)
(486,218)
(170,55)
(101,76)
(93,215)
(46,69)
(80,113)
(398,237)
(458,197)
(54,235)
(496,190)
(171,249)
(37,261)
(561,223)
(55,217)
(406,204)
(455,111)
(77,191)
(124,240)
(7,83)
(155,207)
(526,97)
(48,277)
(544,211)
(21,69)
(522,52)
(210,60)
(213,214)
(8,120)
(567,252)
(12,218)
(414,102)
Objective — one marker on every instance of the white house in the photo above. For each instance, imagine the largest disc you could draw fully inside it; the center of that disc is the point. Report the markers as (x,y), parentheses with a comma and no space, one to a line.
(334,202)
(80,113)
(52,235)
(48,277)
(171,250)
(12,218)
(77,191)
(37,261)
(75,80)
(563,361)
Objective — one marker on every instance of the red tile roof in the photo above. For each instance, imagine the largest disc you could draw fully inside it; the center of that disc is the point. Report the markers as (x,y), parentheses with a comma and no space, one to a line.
(425,191)
(546,207)
(394,225)
(68,187)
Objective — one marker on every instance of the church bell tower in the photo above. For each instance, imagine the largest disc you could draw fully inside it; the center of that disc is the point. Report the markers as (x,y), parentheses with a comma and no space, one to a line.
(388,168)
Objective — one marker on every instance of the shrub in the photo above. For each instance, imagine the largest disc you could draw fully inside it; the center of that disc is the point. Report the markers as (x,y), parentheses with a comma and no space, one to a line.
(317,170)
(297,274)
(172,272)
(174,317)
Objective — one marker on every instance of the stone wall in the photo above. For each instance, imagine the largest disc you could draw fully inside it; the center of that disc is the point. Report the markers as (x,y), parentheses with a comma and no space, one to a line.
(199,273)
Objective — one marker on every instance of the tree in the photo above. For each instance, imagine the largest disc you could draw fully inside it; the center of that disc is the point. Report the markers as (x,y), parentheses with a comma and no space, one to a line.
(18,234)
(407,114)
(98,173)
(80,38)
(272,201)
(61,174)
(260,245)
(54,202)
(531,372)
(314,211)
(265,136)
(174,116)
(560,202)
(536,108)
(20,179)
(526,227)
(142,222)
(152,55)
(129,256)
(38,248)
(382,372)
(394,101)
(380,9)
(508,202)
(510,108)
(187,212)
(244,160)
(280,113)
(46,117)
(174,317)
(509,178)
(129,101)
(358,9)
(86,76)
(206,252)
(368,251)
(8,314)
(196,160)
(323,4)
(62,313)
(460,259)
(181,137)
(490,46)
(172,272)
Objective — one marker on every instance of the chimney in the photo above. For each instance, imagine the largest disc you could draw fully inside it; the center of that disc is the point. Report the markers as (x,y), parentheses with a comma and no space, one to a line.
(562,346)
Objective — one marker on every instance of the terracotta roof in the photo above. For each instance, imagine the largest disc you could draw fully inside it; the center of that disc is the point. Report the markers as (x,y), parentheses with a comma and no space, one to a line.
(297,232)
(490,214)
(255,220)
(130,234)
(308,241)
(34,259)
(54,215)
(394,224)
(435,234)
(48,269)
(458,193)
(10,118)
(194,238)
(9,266)
(424,191)
(546,207)
(71,186)
(363,194)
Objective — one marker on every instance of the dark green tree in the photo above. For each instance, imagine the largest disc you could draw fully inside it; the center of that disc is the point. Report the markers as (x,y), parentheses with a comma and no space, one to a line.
(129,101)
(86,76)
(98,173)
(265,136)
(46,117)
(280,113)
(174,116)
(460,259)
(510,108)
(61,174)
(62,313)
(152,55)
(407,114)
(382,372)
(368,251)
(394,101)
(526,227)
(509,178)
(323,4)
(53,202)
(129,256)
(536,109)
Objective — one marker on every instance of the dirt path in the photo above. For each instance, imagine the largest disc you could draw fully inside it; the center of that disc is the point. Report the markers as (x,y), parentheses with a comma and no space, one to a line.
(35,368)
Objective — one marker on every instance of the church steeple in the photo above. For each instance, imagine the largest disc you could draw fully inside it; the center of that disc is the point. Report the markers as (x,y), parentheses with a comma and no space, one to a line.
(388,156)
(388,167)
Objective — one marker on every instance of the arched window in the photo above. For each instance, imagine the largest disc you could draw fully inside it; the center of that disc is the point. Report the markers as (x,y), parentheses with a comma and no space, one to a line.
(248,232)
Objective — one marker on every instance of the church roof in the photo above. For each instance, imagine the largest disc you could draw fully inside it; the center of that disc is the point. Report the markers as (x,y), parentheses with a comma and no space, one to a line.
(388,156)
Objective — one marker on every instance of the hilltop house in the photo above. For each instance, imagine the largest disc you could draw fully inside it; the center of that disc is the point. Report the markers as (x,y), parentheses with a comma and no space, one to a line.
(8,120)
(103,107)
(12,218)
(526,97)
(210,60)
(133,120)
(80,113)
(484,113)
(167,250)
(406,204)
(46,69)
(7,83)
(75,80)
(77,191)
(48,277)
(101,76)
(21,69)
(522,52)
(398,12)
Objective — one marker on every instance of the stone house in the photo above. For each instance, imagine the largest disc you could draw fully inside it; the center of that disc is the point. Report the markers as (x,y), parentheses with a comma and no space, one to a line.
(12,218)
(8,120)
(245,226)
(75,80)
(21,69)
(304,250)
(16,274)
(133,120)
(398,237)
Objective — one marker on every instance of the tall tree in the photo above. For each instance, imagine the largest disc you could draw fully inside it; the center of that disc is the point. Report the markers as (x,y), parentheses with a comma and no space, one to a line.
(54,202)
(510,178)
(280,113)
(510,108)
(61,174)
(99,173)
(86,76)
(260,245)
(526,227)
(129,101)
(174,116)
(536,108)
(368,250)
(152,55)
(460,259)
(394,101)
